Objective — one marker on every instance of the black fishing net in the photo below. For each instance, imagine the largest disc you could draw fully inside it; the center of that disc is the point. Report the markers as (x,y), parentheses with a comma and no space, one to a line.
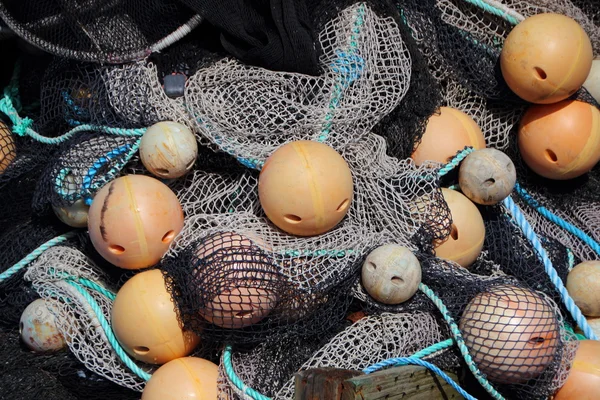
(113,32)
(274,34)
(16,243)
(229,287)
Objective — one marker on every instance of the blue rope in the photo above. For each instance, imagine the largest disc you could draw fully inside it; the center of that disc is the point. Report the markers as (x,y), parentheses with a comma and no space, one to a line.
(416,361)
(109,333)
(419,354)
(460,342)
(572,229)
(22,126)
(89,187)
(35,254)
(493,10)
(236,379)
(455,161)
(554,278)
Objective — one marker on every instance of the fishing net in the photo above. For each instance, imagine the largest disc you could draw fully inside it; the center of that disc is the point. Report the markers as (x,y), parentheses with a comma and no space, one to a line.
(98,31)
(483,305)
(227,238)
(376,73)
(380,336)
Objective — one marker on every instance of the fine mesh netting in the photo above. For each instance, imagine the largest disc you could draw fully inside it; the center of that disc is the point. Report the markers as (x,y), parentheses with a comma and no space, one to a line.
(373,74)
(56,275)
(99,31)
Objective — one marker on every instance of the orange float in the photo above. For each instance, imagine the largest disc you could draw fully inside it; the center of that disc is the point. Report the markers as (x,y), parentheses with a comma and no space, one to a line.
(560,141)
(546,58)
(447,133)
(305,188)
(7,147)
(511,332)
(465,242)
(243,287)
(145,323)
(583,382)
(133,221)
(187,378)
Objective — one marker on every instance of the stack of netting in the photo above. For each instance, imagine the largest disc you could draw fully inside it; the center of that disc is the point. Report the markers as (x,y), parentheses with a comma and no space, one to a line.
(363,78)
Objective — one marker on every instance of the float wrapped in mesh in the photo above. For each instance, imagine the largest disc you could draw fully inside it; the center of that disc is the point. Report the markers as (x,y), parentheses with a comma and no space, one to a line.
(513,335)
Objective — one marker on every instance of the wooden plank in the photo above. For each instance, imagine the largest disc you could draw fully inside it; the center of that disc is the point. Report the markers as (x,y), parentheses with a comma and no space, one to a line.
(321,383)
(406,382)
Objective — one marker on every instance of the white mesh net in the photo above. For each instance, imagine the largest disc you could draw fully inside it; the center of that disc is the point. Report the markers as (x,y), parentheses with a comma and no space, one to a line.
(388,207)
(75,317)
(250,111)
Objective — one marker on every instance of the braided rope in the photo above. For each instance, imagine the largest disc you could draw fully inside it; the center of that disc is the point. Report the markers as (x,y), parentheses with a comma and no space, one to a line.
(455,161)
(460,342)
(109,332)
(572,229)
(552,274)
(22,126)
(35,254)
(498,9)
(571,259)
(236,379)
(446,344)
(442,374)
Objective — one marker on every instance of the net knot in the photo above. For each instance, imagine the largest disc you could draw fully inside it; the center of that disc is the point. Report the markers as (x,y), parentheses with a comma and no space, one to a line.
(21,127)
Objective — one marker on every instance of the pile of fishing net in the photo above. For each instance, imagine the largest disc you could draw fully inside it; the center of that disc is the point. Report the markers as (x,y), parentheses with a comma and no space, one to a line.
(245,81)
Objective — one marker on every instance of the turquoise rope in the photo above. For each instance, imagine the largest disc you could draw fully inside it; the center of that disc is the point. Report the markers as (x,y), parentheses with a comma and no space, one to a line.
(460,342)
(22,126)
(493,10)
(572,229)
(236,379)
(419,354)
(109,333)
(35,254)
(416,361)
(571,259)
(434,348)
(455,161)
(550,271)
(95,286)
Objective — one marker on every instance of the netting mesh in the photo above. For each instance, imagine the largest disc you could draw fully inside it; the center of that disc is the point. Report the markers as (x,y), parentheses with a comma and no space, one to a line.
(379,71)
(380,337)
(227,241)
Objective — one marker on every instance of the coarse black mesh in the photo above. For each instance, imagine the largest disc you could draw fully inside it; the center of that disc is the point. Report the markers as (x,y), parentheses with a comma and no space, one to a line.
(405,125)
(227,287)
(507,247)
(274,34)
(575,200)
(99,31)
(25,375)
(16,243)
